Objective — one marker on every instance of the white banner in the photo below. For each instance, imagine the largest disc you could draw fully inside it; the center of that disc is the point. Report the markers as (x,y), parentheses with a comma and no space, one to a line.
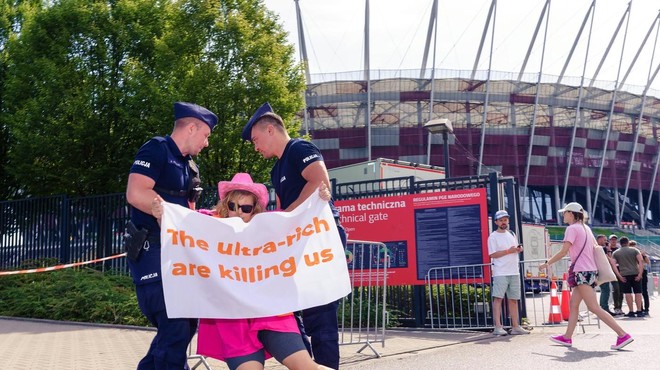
(277,263)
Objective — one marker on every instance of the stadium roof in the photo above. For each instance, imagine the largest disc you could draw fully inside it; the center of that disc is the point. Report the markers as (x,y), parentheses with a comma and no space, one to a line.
(612,43)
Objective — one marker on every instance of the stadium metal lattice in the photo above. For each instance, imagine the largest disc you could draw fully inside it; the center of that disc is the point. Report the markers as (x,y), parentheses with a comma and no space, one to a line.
(564,138)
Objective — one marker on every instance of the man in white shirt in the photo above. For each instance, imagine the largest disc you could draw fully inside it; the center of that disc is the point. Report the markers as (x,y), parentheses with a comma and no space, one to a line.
(503,249)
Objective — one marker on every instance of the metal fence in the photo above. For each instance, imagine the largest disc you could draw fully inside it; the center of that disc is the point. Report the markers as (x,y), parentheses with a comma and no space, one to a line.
(69,230)
(460,297)
(406,185)
(63,229)
(66,230)
(363,313)
(538,294)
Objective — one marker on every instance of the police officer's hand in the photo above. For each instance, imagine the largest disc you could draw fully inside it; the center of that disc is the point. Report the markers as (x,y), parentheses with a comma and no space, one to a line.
(157,208)
(324,192)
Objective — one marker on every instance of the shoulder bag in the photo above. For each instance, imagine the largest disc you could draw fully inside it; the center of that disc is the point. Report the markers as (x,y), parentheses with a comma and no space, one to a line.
(570,278)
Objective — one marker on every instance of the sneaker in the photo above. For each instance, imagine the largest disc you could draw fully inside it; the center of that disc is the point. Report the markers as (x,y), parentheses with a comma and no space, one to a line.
(500,331)
(610,312)
(630,314)
(519,331)
(617,311)
(641,313)
(559,339)
(622,341)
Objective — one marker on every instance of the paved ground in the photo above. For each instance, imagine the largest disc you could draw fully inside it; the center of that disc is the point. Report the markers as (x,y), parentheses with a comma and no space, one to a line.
(42,344)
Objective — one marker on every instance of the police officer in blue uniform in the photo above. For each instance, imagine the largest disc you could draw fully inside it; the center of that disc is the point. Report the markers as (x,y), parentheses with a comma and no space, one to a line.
(297,174)
(164,170)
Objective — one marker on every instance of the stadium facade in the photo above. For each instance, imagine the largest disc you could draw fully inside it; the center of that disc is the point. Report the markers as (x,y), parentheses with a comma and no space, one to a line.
(564,139)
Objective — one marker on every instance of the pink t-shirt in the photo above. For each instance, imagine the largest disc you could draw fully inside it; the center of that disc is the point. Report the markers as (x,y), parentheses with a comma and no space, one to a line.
(576,234)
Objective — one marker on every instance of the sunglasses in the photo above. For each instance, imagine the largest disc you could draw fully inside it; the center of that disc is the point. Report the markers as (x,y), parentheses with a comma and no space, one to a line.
(245,208)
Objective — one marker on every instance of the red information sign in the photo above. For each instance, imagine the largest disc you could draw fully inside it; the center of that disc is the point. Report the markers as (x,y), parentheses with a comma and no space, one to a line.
(421,231)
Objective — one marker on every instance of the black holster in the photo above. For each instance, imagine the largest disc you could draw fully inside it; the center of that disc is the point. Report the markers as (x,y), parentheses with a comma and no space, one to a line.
(194,190)
(134,240)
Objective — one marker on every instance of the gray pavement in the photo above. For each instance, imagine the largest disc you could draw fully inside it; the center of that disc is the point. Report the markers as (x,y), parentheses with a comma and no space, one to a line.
(44,344)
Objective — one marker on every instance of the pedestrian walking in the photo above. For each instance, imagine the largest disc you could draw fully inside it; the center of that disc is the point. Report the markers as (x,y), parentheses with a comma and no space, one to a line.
(582,274)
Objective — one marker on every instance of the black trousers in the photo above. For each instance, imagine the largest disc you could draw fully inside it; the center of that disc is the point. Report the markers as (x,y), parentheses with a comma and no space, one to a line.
(645,290)
(168,350)
(321,323)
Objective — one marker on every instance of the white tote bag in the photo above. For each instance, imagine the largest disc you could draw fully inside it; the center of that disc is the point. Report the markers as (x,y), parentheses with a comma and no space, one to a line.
(605,273)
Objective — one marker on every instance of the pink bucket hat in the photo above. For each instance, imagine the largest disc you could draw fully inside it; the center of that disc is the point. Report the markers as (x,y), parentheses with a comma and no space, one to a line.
(243,181)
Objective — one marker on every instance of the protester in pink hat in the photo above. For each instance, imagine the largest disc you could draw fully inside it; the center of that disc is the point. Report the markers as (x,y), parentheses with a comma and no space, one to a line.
(247,343)
(241,186)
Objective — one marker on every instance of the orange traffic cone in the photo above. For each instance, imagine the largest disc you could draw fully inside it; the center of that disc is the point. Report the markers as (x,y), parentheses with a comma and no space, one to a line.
(565,300)
(555,309)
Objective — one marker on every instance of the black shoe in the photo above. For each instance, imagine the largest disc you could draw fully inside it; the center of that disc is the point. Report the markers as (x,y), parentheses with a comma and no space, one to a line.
(630,314)
(610,312)
(641,313)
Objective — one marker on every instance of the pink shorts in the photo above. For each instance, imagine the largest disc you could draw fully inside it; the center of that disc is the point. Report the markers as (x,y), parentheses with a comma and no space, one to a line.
(226,338)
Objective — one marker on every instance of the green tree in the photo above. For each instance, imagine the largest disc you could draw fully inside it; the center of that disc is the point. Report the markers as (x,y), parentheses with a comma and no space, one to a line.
(79,91)
(238,59)
(5,30)
(89,81)
(11,22)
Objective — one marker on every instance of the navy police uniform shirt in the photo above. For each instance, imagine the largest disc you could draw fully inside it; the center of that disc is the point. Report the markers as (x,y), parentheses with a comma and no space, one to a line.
(318,322)
(286,174)
(161,160)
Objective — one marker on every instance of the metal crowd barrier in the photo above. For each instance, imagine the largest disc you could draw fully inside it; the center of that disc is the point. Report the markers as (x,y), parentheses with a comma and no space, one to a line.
(198,360)
(460,297)
(362,314)
(538,298)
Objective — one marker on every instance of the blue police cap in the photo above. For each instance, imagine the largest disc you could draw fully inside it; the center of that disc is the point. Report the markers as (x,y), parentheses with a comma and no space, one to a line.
(262,111)
(183,109)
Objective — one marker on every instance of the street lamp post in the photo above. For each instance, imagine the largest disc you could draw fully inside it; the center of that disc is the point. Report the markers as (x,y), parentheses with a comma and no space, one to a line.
(443,126)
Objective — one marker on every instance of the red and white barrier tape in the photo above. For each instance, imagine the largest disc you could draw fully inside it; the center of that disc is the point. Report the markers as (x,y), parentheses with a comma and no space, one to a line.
(59,267)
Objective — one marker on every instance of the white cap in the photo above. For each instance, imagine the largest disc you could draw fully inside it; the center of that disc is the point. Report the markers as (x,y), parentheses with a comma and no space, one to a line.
(572,207)
(501,213)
